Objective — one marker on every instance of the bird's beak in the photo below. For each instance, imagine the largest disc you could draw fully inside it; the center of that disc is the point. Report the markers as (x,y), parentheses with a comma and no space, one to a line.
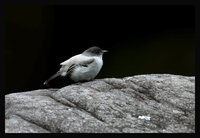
(105,51)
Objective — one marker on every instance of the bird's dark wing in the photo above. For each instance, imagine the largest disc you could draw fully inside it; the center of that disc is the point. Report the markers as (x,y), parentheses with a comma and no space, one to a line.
(71,69)
(84,63)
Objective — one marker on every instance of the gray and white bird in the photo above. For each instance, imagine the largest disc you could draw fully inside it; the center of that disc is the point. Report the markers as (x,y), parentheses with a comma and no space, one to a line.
(81,67)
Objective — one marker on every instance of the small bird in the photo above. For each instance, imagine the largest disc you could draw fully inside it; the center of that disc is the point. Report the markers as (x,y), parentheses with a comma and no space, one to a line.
(81,67)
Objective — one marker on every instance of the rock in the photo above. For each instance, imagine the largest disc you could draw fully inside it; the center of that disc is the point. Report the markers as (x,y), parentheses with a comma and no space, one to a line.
(156,103)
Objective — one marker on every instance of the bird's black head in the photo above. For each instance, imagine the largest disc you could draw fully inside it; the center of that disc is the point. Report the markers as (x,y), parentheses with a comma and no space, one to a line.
(94,51)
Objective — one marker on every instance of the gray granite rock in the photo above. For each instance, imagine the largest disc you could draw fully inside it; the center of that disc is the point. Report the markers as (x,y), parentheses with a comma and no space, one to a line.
(155,103)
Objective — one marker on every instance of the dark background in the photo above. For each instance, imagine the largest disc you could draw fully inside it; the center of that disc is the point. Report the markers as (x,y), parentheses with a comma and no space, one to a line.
(140,39)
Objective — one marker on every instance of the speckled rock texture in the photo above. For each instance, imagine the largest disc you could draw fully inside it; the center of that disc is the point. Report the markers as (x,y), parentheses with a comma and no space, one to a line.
(154,103)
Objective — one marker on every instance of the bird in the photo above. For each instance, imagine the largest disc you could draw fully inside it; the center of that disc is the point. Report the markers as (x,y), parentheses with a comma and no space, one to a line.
(81,67)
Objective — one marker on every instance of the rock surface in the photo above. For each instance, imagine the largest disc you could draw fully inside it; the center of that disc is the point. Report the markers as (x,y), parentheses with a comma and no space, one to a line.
(156,103)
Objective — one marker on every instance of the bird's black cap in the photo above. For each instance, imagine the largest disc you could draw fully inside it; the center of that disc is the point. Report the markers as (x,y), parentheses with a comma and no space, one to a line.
(94,51)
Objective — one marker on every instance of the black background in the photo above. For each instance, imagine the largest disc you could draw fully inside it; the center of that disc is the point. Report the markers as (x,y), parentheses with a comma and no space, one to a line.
(141,39)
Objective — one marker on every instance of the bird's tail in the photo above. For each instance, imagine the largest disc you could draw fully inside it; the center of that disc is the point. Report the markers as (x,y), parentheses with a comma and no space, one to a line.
(52,77)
